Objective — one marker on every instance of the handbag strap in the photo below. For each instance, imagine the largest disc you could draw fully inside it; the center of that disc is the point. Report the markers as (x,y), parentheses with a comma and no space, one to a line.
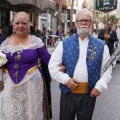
(1,75)
(1,82)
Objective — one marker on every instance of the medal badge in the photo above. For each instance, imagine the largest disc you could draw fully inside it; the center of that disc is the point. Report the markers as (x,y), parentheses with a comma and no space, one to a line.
(92,51)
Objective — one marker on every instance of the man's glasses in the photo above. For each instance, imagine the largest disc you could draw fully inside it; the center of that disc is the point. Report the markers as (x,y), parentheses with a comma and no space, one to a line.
(81,21)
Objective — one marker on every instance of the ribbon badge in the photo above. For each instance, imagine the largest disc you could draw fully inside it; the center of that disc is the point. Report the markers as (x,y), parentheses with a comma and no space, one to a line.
(92,51)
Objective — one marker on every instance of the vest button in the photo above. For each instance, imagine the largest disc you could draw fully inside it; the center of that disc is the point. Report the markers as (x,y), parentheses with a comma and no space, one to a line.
(16,66)
(18,52)
(16,74)
(18,57)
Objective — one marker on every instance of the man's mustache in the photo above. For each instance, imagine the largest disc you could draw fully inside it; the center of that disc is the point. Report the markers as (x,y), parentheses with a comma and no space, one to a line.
(84,27)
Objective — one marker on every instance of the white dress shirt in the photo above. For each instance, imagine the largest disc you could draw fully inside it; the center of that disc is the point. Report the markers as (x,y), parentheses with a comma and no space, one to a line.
(80,72)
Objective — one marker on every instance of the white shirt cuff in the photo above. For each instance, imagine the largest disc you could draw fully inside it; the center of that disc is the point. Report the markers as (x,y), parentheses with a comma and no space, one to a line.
(100,88)
(66,80)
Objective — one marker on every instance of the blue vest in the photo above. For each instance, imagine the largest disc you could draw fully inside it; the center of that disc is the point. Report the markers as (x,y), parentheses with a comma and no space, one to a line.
(93,59)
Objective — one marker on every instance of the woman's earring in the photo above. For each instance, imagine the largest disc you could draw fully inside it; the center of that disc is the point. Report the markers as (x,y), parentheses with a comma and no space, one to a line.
(29,32)
(13,31)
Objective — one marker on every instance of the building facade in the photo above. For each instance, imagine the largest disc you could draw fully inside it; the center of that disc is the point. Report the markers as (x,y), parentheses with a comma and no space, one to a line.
(32,7)
(66,7)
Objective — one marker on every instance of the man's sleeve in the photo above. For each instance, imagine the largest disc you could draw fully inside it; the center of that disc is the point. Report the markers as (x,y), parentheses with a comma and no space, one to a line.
(54,65)
(101,85)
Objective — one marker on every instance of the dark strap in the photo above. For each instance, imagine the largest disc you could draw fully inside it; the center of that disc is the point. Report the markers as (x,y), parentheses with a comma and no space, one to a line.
(1,82)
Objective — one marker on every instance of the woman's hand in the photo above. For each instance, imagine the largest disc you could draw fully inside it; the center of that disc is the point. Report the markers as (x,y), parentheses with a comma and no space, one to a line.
(106,36)
(62,68)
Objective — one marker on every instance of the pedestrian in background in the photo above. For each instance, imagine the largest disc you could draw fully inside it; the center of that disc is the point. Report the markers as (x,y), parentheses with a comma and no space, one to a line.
(60,34)
(117,42)
(0,31)
(118,35)
(24,96)
(118,32)
(38,33)
(83,56)
(73,30)
(110,38)
(95,29)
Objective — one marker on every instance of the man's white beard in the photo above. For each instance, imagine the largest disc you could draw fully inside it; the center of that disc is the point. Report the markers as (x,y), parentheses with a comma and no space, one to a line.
(83,31)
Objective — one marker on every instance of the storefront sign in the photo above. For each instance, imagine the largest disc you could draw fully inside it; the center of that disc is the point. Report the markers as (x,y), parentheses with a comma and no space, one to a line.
(106,5)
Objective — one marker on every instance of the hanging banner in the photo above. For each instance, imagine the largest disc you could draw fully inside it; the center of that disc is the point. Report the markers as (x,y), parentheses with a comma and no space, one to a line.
(106,5)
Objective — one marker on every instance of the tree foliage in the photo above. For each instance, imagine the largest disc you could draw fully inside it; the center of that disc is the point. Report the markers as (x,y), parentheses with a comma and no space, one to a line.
(112,18)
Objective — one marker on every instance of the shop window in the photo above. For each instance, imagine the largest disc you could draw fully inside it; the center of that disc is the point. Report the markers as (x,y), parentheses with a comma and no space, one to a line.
(4,18)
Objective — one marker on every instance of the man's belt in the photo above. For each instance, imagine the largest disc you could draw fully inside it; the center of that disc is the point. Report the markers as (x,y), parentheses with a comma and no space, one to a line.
(81,88)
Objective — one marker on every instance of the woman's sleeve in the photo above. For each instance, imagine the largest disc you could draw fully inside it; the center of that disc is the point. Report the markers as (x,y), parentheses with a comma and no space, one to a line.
(42,51)
(44,55)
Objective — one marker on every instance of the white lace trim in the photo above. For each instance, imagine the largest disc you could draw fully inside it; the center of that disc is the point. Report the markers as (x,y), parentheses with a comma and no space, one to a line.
(23,101)
(36,43)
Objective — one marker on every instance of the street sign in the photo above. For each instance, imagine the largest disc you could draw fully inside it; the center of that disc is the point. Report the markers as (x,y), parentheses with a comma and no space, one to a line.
(106,5)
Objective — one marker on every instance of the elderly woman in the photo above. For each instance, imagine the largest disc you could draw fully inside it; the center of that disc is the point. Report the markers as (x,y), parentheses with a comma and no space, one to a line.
(23,94)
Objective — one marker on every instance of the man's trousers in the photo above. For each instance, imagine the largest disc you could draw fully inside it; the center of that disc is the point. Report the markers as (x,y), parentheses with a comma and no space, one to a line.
(81,105)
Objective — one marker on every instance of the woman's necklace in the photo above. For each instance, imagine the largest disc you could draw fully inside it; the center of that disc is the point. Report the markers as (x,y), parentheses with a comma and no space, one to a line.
(20,41)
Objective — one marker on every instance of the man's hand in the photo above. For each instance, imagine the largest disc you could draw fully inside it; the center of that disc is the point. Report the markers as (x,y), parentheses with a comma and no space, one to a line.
(62,68)
(94,93)
(106,36)
(72,83)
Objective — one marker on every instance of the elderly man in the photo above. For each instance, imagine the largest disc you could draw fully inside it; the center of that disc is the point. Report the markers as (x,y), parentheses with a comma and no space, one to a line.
(83,56)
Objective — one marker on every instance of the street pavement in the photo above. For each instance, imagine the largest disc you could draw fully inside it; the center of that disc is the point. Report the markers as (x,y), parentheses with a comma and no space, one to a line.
(107,104)
(52,48)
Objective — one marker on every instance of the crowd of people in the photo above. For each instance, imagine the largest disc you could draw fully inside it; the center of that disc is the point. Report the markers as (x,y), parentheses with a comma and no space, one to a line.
(76,64)
(51,38)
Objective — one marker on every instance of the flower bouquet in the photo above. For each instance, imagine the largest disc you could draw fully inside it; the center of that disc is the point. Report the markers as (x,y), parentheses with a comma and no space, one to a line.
(3,61)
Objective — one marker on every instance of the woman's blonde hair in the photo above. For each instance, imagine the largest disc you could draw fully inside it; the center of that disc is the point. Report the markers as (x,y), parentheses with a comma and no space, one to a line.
(22,14)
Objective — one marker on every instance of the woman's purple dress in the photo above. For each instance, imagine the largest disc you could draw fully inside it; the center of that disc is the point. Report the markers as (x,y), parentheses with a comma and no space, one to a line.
(22,97)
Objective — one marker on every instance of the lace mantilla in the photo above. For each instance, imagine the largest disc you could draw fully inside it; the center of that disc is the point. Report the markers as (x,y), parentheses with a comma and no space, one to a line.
(36,43)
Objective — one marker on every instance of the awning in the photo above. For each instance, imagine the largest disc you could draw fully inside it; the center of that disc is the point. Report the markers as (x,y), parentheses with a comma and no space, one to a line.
(5,5)
(48,4)
(35,5)
(24,2)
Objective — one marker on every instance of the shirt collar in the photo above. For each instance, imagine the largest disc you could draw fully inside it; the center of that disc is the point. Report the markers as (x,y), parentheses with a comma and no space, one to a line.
(85,39)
